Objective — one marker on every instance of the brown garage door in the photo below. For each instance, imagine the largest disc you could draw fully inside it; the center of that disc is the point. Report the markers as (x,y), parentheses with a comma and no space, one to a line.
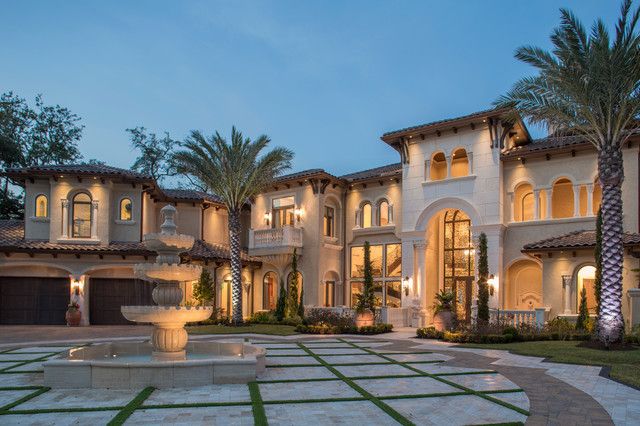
(26,300)
(107,295)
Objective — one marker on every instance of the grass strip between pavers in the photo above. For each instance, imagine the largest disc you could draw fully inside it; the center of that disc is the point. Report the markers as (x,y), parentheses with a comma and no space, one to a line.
(194,405)
(61,410)
(19,388)
(384,407)
(257,407)
(128,409)
(43,358)
(25,398)
(448,382)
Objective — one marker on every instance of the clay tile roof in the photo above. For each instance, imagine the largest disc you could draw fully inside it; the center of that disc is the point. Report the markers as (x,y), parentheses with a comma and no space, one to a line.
(76,169)
(377,172)
(300,175)
(12,240)
(575,240)
(477,114)
(190,194)
(545,144)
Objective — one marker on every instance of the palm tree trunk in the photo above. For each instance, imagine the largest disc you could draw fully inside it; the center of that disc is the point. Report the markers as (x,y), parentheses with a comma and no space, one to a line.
(610,168)
(236,265)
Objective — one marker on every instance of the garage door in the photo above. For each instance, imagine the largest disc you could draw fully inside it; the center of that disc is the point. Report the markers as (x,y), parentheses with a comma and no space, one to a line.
(107,295)
(25,300)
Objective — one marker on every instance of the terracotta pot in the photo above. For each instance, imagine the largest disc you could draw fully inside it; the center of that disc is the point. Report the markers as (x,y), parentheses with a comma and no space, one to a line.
(364,319)
(443,320)
(73,318)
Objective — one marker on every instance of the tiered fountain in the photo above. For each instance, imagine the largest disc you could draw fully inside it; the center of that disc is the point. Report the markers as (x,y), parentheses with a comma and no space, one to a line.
(168,360)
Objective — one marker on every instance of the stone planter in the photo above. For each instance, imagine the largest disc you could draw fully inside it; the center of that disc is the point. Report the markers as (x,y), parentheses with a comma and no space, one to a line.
(73,317)
(443,320)
(364,319)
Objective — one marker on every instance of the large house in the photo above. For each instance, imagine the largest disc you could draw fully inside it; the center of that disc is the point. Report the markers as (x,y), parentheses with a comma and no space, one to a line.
(536,200)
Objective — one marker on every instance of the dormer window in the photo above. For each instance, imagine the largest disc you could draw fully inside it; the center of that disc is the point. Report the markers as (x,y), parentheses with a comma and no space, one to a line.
(81,215)
(126,209)
(42,206)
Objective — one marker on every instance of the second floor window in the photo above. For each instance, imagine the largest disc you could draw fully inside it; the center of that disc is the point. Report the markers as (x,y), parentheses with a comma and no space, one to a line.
(126,209)
(329,222)
(81,214)
(283,212)
(383,213)
(366,216)
(42,206)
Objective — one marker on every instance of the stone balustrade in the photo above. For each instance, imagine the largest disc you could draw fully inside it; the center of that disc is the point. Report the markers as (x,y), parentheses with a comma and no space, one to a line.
(537,317)
(287,236)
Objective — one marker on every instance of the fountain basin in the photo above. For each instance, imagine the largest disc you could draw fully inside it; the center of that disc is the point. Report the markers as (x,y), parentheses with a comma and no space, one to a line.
(167,272)
(132,366)
(162,242)
(166,314)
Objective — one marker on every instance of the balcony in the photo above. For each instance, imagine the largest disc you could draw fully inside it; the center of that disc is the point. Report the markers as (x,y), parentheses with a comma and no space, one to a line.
(274,240)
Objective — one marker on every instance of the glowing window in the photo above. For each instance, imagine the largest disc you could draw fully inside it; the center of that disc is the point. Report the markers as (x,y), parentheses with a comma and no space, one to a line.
(459,163)
(383,213)
(438,167)
(587,280)
(42,206)
(81,214)
(126,208)
(562,199)
(366,215)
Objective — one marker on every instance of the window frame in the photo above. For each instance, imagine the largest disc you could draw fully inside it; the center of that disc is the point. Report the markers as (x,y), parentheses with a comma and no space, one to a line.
(329,222)
(379,212)
(73,213)
(122,200)
(383,279)
(362,215)
(35,211)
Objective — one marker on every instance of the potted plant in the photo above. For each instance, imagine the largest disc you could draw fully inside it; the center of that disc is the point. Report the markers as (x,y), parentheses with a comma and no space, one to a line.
(443,315)
(365,301)
(73,314)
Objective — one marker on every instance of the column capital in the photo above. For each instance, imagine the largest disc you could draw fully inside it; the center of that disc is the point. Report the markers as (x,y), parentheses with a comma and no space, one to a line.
(420,245)
(65,202)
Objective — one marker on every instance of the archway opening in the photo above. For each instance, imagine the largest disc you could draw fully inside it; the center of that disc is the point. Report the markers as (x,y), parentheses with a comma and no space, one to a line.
(524,285)
(586,278)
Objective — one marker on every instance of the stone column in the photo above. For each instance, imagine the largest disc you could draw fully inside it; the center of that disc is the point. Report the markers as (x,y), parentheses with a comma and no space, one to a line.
(470,157)
(420,278)
(65,218)
(566,284)
(448,158)
(94,219)
(536,204)
(589,199)
(512,207)
(427,170)
(576,200)
(391,222)
(358,214)
(549,193)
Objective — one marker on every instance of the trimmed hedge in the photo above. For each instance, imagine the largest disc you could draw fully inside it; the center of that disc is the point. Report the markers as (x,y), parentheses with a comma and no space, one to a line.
(333,329)
(509,334)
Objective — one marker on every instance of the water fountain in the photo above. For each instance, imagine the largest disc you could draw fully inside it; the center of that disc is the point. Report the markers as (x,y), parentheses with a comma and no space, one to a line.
(168,359)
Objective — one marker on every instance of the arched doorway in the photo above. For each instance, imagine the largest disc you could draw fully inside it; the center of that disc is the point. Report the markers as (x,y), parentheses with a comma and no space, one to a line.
(586,278)
(269,290)
(458,261)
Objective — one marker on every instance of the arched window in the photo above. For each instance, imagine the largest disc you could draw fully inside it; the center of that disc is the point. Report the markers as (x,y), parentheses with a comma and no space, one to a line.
(523,203)
(81,214)
(126,209)
(562,199)
(438,167)
(383,213)
(366,216)
(42,206)
(459,163)
(269,290)
(299,283)
(458,261)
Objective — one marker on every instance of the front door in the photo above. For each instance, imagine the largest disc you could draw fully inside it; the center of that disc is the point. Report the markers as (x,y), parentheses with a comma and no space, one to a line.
(462,303)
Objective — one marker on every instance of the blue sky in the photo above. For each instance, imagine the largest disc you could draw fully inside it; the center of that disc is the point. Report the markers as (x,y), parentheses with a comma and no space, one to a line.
(325,79)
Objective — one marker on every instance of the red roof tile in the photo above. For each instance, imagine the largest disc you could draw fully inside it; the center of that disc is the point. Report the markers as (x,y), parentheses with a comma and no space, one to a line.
(575,240)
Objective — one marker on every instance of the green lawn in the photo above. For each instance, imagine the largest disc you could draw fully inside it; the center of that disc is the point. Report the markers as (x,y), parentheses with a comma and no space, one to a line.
(625,365)
(278,330)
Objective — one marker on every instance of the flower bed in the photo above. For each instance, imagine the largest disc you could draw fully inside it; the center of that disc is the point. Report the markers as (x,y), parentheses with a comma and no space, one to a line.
(351,329)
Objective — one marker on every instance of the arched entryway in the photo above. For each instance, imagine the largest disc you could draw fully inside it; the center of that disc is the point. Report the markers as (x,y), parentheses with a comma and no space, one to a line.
(524,285)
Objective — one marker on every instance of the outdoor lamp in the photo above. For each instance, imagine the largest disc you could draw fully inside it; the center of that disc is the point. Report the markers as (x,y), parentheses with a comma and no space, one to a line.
(76,286)
(298,213)
(267,218)
(492,282)
(406,283)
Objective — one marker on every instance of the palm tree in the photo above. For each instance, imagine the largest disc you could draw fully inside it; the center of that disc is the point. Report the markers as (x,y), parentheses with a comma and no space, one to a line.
(589,85)
(236,172)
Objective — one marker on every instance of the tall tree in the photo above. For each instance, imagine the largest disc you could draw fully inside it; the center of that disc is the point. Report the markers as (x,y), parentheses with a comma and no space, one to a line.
(292,290)
(237,171)
(203,290)
(589,85)
(366,300)
(483,275)
(156,153)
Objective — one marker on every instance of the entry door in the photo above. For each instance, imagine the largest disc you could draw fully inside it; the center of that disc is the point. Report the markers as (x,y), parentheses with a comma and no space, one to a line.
(463,289)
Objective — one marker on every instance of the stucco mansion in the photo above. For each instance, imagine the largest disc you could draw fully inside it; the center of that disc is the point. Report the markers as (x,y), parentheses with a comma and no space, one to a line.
(535,200)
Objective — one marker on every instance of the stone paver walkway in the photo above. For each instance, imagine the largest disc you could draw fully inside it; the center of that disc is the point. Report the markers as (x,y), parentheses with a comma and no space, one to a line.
(386,379)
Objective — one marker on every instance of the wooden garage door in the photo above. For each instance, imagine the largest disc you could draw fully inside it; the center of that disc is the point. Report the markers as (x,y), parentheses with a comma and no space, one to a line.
(107,295)
(26,300)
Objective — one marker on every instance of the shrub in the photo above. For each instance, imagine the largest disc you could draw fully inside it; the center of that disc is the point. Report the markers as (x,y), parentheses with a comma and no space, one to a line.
(332,329)
(316,316)
(429,333)
(560,328)
(264,317)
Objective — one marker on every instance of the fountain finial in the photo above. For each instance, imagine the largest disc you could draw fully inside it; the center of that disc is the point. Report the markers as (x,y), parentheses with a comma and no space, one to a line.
(168,226)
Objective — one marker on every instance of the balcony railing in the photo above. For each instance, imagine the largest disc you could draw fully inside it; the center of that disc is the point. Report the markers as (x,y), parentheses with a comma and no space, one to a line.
(514,317)
(287,236)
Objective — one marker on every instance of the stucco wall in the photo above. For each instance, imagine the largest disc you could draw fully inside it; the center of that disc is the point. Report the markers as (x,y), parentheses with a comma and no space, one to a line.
(36,228)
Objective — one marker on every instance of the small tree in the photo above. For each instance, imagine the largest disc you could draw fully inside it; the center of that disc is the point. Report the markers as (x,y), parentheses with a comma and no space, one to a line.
(598,257)
(203,290)
(292,291)
(301,304)
(282,302)
(483,288)
(583,312)
(366,300)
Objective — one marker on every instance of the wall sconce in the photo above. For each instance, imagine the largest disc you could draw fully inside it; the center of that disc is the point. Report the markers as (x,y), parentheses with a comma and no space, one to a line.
(267,218)
(76,286)
(299,213)
(406,284)
(493,283)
